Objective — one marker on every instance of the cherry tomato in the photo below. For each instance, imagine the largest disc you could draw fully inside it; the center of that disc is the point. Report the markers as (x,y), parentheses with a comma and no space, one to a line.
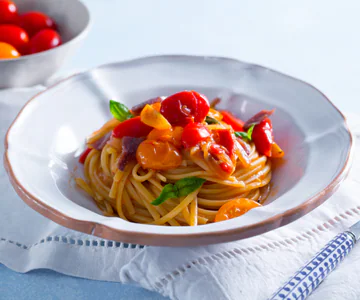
(34,21)
(235,123)
(235,208)
(185,107)
(8,12)
(44,40)
(193,134)
(158,155)
(172,135)
(276,151)
(262,137)
(7,51)
(131,127)
(15,36)
(84,155)
(225,138)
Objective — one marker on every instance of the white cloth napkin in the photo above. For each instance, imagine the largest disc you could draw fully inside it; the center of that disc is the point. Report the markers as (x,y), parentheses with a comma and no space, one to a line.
(248,269)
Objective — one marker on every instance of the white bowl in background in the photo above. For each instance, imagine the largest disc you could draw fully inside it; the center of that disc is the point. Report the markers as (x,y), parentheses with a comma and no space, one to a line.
(72,18)
(310,129)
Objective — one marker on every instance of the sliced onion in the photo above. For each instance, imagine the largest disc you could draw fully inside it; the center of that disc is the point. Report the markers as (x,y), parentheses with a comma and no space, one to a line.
(256,119)
(136,110)
(129,147)
(101,142)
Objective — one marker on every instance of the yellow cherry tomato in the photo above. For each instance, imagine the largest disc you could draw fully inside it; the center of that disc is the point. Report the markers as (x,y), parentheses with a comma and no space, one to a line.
(151,117)
(158,155)
(235,208)
(7,51)
(276,151)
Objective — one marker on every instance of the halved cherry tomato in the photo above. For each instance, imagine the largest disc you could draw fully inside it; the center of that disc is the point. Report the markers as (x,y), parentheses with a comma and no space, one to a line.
(262,137)
(150,116)
(185,107)
(276,151)
(7,51)
(84,155)
(131,127)
(225,138)
(158,155)
(44,40)
(235,208)
(172,135)
(15,36)
(234,122)
(34,21)
(193,134)
(8,12)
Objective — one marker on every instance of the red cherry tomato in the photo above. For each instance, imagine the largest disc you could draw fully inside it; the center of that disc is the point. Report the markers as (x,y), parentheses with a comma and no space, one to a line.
(185,107)
(84,155)
(132,127)
(15,36)
(8,12)
(34,21)
(44,40)
(7,51)
(235,123)
(193,134)
(225,138)
(262,137)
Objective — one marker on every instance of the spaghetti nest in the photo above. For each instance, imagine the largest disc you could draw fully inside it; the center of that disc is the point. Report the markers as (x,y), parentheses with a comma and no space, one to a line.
(191,188)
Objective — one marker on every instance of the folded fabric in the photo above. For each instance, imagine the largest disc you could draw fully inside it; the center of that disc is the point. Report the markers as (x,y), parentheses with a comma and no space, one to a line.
(247,269)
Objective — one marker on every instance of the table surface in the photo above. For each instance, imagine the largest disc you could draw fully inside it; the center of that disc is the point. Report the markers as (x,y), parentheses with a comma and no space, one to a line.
(316,41)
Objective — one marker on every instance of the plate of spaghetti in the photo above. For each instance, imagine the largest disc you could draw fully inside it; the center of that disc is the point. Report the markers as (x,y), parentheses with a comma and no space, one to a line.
(177,150)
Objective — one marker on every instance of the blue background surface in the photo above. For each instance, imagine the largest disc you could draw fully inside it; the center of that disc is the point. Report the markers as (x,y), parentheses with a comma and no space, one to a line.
(46,284)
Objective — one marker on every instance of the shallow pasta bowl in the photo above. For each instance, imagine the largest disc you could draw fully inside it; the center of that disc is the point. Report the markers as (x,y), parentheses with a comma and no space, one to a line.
(43,143)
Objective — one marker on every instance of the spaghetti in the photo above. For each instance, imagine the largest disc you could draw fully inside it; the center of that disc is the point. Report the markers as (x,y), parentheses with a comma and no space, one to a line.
(178,162)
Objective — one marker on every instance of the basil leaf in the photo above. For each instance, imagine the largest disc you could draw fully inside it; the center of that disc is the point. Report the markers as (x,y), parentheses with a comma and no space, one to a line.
(187,185)
(241,134)
(245,135)
(211,120)
(119,111)
(181,188)
(169,191)
(250,131)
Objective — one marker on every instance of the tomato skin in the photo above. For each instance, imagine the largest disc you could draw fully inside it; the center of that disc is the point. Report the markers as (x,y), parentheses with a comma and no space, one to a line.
(132,127)
(84,155)
(193,134)
(262,137)
(225,138)
(35,21)
(234,122)
(8,12)
(185,107)
(158,155)
(7,51)
(44,40)
(15,36)
(235,208)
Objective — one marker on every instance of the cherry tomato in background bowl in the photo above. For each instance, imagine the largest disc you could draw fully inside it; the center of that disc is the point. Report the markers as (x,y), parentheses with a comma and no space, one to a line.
(34,21)
(7,51)
(44,40)
(15,36)
(8,12)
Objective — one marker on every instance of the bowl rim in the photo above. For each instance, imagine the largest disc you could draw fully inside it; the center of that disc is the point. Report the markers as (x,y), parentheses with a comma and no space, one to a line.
(179,239)
(76,38)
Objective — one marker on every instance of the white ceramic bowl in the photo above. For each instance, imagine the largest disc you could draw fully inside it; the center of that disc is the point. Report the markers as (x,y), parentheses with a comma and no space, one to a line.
(45,140)
(73,21)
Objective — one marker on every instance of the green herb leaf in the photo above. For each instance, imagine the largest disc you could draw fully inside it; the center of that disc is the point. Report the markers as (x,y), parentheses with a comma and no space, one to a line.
(119,111)
(181,188)
(211,120)
(187,185)
(245,135)
(169,191)
(250,131)
(241,134)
